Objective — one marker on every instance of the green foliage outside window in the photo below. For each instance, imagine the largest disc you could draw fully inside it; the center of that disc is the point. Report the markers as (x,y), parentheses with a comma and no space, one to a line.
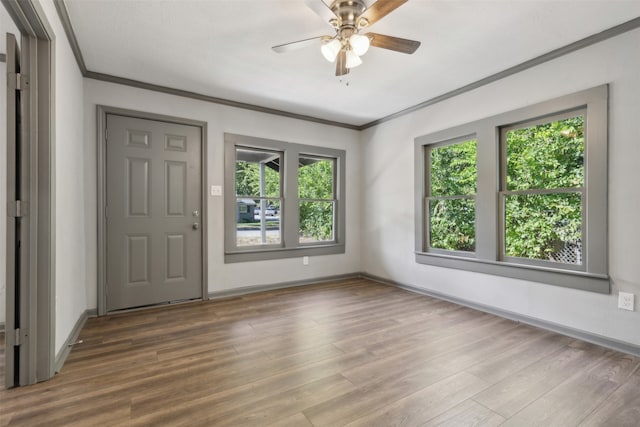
(545,156)
(453,224)
(315,182)
(548,156)
(248,180)
(453,172)
(315,190)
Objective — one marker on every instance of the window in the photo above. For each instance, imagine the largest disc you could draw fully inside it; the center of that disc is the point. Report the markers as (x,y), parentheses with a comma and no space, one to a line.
(542,184)
(525,196)
(282,199)
(316,198)
(258,185)
(451,187)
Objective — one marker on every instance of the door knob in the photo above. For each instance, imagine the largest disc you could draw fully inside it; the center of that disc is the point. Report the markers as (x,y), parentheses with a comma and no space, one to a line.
(195,226)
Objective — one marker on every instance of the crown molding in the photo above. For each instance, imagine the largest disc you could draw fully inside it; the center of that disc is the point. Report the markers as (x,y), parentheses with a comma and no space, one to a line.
(546,57)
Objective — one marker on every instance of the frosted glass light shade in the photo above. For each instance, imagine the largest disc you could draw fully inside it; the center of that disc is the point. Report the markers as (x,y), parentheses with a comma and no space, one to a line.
(359,44)
(353,60)
(330,49)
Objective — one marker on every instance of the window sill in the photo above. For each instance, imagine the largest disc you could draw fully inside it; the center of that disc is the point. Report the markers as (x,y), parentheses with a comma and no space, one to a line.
(281,253)
(566,278)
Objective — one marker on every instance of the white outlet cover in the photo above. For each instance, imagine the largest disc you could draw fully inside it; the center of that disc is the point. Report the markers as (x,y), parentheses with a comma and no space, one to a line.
(626,301)
(216,190)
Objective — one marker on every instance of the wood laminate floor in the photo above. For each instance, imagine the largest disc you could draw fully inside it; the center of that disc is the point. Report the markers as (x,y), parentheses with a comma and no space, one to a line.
(350,353)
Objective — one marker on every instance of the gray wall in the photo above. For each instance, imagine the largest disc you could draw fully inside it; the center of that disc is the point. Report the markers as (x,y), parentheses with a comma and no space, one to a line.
(221,119)
(71,251)
(388,236)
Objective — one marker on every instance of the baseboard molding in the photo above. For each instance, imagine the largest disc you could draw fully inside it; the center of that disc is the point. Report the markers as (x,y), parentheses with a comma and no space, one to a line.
(62,355)
(532,321)
(245,290)
(632,349)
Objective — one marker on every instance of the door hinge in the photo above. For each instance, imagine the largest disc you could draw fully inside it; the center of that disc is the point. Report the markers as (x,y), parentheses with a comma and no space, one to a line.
(106,134)
(20,81)
(16,338)
(17,209)
(106,211)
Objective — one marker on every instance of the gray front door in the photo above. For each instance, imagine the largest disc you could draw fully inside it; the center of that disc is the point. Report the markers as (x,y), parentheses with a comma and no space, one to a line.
(153,212)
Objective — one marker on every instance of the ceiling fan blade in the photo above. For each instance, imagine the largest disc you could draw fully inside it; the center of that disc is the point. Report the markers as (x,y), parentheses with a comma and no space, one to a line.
(379,10)
(288,47)
(321,9)
(341,63)
(393,43)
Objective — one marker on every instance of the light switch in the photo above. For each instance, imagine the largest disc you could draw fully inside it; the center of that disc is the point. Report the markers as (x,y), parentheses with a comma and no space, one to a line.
(216,190)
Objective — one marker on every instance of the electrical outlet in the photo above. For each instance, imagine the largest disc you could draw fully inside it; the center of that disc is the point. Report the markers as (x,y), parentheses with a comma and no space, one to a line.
(305,260)
(625,301)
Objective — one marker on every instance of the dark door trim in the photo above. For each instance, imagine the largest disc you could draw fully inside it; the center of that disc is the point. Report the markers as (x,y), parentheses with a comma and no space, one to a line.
(102,112)
(37,311)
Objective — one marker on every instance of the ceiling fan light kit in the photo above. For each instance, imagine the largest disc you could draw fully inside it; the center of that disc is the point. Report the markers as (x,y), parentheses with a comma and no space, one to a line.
(359,44)
(353,60)
(330,49)
(348,17)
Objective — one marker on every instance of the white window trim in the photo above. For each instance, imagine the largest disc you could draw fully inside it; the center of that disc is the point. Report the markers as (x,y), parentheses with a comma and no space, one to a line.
(594,276)
(290,246)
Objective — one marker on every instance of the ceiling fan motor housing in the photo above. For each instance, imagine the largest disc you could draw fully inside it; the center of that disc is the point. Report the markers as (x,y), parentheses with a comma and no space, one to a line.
(347,11)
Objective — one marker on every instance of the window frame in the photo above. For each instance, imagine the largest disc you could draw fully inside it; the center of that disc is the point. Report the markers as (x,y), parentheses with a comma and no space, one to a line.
(334,198)
(289,246)
(504,191)
(263,198)
(428,197)
(593,274)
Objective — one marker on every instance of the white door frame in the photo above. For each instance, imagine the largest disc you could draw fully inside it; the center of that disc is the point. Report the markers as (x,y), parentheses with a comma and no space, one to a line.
(103,111)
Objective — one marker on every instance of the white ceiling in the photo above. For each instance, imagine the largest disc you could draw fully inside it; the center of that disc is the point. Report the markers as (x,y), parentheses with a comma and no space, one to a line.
(222,48)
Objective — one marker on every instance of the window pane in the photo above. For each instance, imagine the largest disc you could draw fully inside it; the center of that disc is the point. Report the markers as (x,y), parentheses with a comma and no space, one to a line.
(549,155)
(316,222)
(453,170)
(546,227)
(250,164)
(315,178)
(452,224)
(252,228)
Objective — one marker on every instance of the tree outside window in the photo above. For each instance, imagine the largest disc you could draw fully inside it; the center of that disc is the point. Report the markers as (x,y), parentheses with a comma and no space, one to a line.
(316,197)
(257,188)
(543,179)
(452,186)
(282,199)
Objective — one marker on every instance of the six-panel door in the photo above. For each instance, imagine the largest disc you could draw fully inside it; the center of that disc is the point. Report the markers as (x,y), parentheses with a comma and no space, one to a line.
(154,238)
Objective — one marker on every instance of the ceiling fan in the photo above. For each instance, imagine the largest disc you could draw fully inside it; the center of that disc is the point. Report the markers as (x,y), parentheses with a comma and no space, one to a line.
(348,18)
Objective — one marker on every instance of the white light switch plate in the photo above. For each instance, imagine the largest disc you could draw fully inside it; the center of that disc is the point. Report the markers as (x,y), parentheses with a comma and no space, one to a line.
(216,190)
